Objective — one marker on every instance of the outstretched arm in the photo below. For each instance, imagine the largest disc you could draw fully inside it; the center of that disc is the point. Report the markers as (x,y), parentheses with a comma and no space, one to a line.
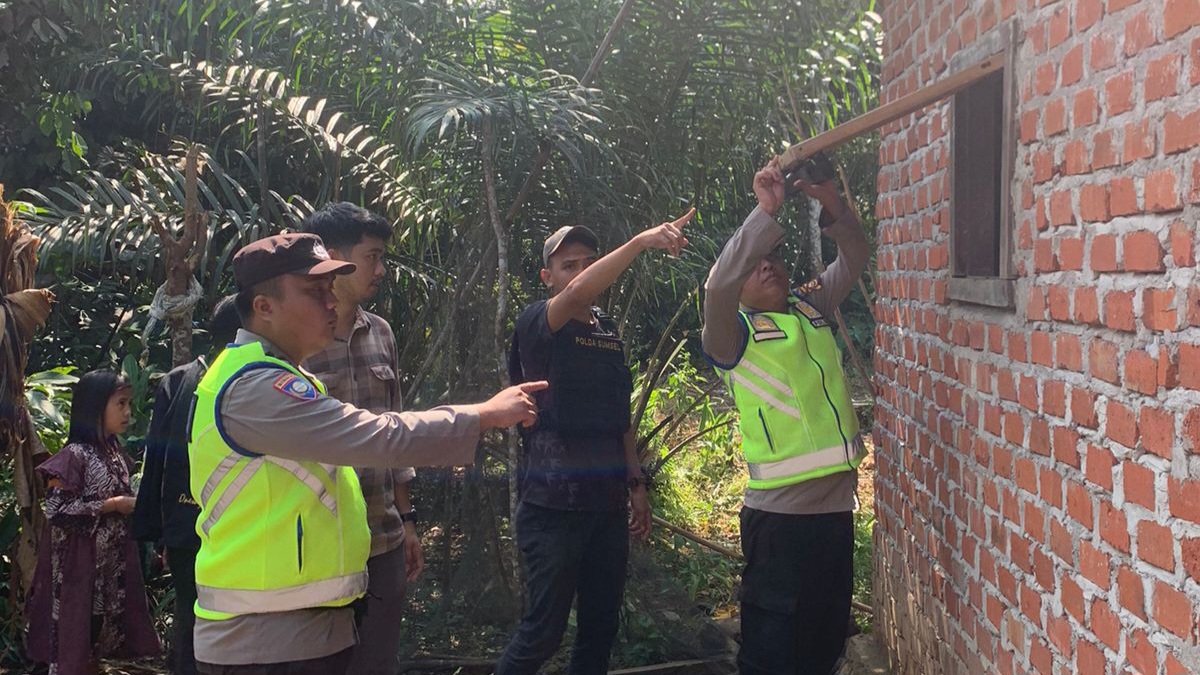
(581,293)
(723,337)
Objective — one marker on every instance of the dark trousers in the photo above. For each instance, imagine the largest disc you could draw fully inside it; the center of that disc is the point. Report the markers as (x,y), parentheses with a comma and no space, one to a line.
(796,590)
(569,555)
(182,562)
(378,649)
(334,664)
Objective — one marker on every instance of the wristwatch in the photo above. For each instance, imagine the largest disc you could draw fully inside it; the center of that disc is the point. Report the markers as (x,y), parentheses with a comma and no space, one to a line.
(410,517)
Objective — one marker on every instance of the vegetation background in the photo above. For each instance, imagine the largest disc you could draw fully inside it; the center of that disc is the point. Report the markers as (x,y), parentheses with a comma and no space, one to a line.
(477,128)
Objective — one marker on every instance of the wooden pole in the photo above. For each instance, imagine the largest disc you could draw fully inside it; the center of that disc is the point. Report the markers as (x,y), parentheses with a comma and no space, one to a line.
(891,112)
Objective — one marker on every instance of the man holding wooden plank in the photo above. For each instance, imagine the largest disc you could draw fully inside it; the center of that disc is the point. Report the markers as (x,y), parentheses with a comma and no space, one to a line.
(774,347)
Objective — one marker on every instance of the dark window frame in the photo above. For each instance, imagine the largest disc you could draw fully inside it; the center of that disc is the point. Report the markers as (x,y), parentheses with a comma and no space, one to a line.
(992,290)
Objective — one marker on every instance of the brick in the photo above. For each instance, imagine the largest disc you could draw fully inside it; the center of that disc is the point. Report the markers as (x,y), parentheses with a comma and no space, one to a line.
(1085,108)
(1143,252)
(1191,429)
(1087,308)
(1094,564)
(1158,430)
(1029,126)
(1071,70)
(1104,253)
(1189,366)
(1140,652)
(1138,483)
(1066,446)
(1087,13)
(1102,363)
(1183,498)
(1172,610)
(1181,132)
(1103,52)
(1158,309)
(1041,348)
(1141,372)
(1058,299)
(1180,15)
(1190,556)
(1089,658)
(1122,197)
(1061,212)
(1099,467)
(1043,166)
(1139,34)
(1118,94)
(1054,118)
(1105,625)
(1076,161)
(1194,192)
(1079,504)
(1045,78)
(1054,392)
(1113,526)
(1182,251)
(1173,666)
(1162,192)
(1162,77)
(1118,310)
(1168,371)
(1068,352)
(1093,199)
(1105,152)
(1131,591)
(1060,27)
(1044,259)
(1139,141)
(1156,545)
(1121,425)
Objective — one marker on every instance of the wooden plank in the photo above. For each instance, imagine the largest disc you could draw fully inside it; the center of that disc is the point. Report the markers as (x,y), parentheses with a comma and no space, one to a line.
(665,668)
(893,111)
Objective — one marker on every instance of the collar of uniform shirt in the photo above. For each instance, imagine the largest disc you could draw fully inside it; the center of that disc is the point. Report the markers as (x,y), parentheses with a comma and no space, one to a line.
(245,337)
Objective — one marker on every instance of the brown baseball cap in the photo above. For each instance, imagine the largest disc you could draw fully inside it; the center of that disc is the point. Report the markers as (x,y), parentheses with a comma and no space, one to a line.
(565,234)
(294,253)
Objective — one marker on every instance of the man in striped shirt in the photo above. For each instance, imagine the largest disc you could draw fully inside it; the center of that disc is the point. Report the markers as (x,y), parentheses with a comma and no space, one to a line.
(360,367)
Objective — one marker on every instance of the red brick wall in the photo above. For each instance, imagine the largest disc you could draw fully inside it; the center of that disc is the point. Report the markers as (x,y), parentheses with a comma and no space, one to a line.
(1038,486)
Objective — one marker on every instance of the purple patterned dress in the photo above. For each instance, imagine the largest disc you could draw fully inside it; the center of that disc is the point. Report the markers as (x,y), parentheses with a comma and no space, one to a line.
(88,600)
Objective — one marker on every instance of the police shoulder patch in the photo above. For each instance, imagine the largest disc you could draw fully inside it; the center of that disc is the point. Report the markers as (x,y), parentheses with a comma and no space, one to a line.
(811,313)
(294,386)
(765,328)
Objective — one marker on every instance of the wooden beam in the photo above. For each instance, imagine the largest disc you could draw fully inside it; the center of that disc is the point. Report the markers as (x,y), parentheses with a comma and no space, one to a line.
(890,112)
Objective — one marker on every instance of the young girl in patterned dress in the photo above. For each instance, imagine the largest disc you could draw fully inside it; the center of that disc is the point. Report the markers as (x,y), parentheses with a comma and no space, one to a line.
(88,600)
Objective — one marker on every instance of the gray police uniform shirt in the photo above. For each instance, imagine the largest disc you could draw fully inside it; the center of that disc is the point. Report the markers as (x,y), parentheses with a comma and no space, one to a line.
(261,418)
(723,337)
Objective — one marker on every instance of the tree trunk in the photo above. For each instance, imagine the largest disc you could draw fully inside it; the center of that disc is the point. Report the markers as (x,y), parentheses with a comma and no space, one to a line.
(182,256)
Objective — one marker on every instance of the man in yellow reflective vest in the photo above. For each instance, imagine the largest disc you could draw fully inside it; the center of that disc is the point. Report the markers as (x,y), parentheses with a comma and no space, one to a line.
(774,348)
(282,524)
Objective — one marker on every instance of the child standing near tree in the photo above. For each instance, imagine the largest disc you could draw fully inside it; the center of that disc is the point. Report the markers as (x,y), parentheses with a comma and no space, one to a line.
(88,600)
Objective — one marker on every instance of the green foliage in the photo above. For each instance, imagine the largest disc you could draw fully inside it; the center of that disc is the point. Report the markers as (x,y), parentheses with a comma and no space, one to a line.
(48,395)
(388,104)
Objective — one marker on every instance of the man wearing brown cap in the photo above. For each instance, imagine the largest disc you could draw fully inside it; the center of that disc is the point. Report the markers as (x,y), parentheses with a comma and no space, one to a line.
(582,491)
(283,531)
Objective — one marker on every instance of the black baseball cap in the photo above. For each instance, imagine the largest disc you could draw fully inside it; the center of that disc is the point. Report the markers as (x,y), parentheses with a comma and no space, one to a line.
(566,234)
(294,253)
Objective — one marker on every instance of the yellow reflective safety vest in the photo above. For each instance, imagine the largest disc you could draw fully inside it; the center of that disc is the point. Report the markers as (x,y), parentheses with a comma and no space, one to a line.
(796,418)
(275,534)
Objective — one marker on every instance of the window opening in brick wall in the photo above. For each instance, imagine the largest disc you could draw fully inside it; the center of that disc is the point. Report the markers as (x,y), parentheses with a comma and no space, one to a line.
(981,181)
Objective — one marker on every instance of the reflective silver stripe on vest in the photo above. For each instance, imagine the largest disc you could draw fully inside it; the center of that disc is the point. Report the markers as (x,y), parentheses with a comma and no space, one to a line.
(308,478)
(315,594)
(768,378)
(799,465)
(218,475)
(235,488)
(777,404)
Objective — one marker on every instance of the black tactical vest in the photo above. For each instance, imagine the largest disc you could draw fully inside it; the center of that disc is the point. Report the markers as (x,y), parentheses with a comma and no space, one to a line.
(590,384)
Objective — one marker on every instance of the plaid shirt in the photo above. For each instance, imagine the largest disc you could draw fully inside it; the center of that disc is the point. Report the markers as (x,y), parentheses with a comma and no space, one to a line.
(361,371)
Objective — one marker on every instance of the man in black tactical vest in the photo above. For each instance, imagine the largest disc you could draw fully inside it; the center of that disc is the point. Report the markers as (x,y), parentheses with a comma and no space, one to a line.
(579,471)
